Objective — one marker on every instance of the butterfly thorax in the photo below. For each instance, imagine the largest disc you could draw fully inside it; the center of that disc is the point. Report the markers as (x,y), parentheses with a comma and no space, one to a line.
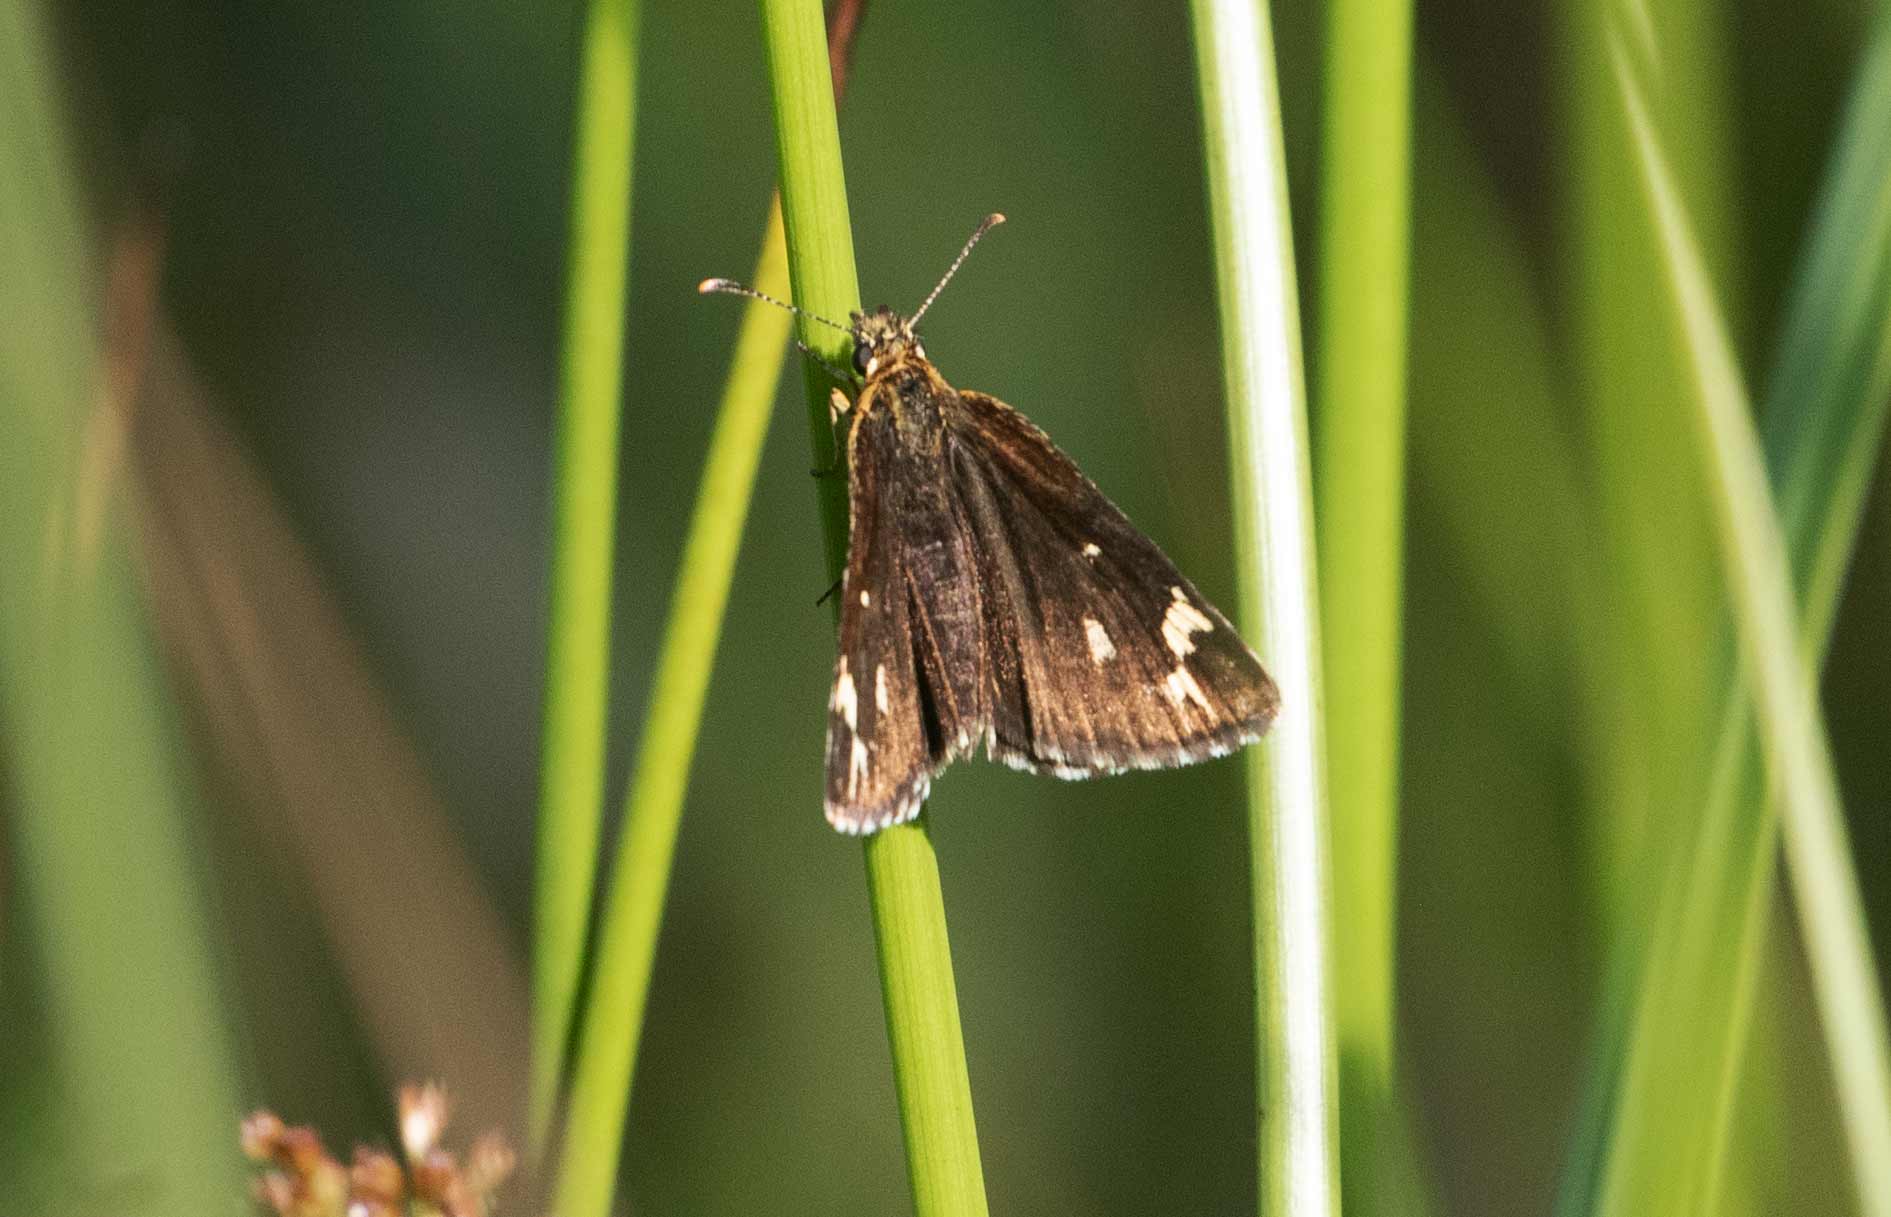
(899,377)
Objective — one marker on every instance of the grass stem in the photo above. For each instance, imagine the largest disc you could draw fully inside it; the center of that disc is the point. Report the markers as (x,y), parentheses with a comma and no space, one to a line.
(929,1069)
(1260,338)
(1359,488)
(584,515)
(611,1025)
(1784,696)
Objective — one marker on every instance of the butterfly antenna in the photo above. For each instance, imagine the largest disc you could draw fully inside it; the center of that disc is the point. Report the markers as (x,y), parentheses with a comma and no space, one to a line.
(729,287)
(984,226)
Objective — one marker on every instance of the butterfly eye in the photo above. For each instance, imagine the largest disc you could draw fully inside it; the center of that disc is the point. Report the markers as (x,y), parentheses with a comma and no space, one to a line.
(863,355)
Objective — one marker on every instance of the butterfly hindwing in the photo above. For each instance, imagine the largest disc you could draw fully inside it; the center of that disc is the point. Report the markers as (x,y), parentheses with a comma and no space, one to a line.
(908,690)
(1101,655)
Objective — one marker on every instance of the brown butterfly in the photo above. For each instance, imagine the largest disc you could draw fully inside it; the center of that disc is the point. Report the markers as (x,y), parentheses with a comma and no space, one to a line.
(994,595)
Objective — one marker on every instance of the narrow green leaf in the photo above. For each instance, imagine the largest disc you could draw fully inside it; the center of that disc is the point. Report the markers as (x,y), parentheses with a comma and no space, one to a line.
(1785,706)
(1359,487)
(611,1024)
(922,1010)
(1260,337)
(1671,1060)
(584,513)
(101,815)
(1647,509)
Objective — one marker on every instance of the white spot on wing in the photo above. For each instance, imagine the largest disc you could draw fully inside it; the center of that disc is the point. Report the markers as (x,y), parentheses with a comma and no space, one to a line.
(866,598)
(1101,648)
(856,766)
(1180,621)
(1181,683)
(845,700)
(879,687)
(1091,550)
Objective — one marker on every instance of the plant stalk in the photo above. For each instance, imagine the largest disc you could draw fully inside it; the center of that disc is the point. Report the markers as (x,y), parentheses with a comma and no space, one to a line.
(930,1074)
(1260,338)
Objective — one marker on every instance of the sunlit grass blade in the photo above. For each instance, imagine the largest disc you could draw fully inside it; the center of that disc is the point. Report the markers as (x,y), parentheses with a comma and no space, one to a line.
(1678,1051)
(1359,487)
(1786,709)
(1260,339)
(922,1009)
(101,832)
(584,515)
(1645,507)
(1824,422)
(611,1022)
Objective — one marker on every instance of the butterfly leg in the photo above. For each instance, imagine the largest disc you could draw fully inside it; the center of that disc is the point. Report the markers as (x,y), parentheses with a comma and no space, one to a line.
(837,405)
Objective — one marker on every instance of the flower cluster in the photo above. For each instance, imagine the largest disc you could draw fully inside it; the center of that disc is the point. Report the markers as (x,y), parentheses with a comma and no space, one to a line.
(426,1180)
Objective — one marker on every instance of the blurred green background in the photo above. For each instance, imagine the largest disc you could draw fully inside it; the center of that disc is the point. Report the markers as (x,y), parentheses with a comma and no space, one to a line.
(359,223)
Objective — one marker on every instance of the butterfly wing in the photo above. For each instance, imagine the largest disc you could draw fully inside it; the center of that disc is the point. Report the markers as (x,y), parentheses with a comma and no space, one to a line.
(908,692)
(1101,655)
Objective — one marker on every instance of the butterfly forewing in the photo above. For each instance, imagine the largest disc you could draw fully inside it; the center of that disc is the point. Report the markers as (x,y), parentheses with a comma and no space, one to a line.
(1101,656)
(908,691)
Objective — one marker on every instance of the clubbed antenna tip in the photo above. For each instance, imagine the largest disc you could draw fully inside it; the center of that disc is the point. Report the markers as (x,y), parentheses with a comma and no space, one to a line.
(709,287)
(984,226)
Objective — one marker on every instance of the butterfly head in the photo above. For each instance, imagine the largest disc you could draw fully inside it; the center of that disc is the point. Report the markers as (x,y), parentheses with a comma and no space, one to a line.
(883,340)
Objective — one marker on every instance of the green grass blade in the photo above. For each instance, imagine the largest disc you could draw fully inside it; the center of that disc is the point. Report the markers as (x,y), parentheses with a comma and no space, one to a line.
(584,512)
(1824,414)
(611,1024)
(1655,534)
(819,235)
(100,816)
(922,1024)
(1359,484)
(922,1009)
(1260,336)
(1785,702)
